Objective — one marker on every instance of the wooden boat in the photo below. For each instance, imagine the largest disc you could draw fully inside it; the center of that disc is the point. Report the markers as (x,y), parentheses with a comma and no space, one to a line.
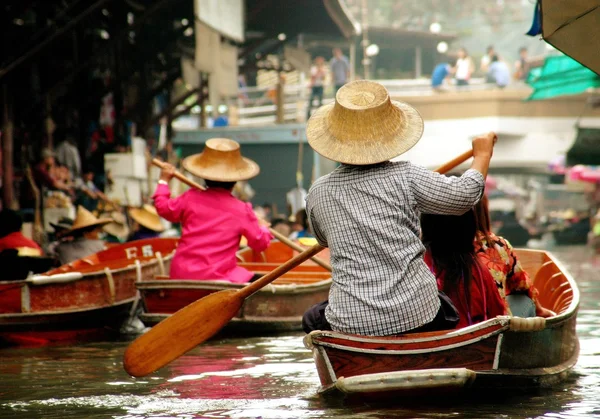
(503,352)
(83,299)
(277,307)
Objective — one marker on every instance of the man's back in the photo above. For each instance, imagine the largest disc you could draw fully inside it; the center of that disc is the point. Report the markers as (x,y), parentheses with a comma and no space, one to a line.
(369,218)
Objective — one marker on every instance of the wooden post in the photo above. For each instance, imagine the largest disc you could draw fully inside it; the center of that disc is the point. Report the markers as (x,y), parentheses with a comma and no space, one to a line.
(280,115)
(418,62)
(7,152)
(352,58)
(365,41)
(203,90)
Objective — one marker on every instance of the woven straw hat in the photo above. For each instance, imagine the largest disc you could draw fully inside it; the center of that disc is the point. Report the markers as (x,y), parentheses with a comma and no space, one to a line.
(147,217)
(364,126)
(85,219)
(118,227)
(221,161)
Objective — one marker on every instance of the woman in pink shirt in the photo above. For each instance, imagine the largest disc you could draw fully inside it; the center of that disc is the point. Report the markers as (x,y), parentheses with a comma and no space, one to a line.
(212,220)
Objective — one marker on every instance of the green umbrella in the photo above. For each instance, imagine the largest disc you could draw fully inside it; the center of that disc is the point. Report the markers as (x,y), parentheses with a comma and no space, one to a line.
(561,75)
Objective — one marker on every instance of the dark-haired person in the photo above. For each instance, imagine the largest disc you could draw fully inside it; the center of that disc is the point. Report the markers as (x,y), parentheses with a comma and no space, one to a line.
(11,236)
(498,256)
(451,256)
(213,221)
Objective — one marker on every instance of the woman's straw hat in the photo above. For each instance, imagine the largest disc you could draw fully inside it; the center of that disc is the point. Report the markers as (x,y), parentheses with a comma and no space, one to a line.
(221,161)
(118,227)
(85,219)
(364,126)
(147,217)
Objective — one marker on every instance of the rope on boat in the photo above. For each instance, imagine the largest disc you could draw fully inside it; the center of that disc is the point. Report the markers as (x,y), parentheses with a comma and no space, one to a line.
(161,264)
(530,324)
(111,284)
(138,279)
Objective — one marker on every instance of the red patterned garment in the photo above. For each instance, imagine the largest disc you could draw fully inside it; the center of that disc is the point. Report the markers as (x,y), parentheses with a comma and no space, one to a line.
(501,260)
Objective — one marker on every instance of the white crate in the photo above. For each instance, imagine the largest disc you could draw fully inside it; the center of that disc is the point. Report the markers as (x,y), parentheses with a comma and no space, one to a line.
(126,191)
(138,146)
(126,165)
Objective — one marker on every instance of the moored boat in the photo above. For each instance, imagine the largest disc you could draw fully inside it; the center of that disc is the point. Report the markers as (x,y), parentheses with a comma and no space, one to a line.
(277,307)
(504,352)
(84,299)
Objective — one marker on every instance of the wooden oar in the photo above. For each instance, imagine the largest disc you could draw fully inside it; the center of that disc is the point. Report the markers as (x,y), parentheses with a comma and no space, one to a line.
(195,323)
(275,233)
(299,248)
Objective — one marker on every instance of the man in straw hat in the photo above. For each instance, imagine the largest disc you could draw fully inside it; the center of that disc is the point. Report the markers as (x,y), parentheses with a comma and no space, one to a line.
(84,233)
(147,224)
(213,220)
(367,212)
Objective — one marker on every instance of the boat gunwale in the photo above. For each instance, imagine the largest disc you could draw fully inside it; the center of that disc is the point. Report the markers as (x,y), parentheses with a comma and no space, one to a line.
(63,312)
(87,275)
(218,285)
(497,332)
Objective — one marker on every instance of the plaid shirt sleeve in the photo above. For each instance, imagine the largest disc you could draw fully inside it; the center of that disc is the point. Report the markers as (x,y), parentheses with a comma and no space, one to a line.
(438,194)
(314,226)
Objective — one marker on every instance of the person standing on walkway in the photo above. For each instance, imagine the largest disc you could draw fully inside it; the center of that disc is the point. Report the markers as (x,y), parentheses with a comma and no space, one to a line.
(68,154)
(464,68)
(340,69)
(317,81)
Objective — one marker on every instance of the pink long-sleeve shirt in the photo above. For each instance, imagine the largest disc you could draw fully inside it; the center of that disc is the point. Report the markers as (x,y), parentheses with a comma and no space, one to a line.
(212,222)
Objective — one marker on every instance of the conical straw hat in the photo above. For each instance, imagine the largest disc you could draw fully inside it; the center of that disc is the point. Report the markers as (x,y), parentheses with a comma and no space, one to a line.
(364,126)
(221,161)
(85,219)
(118,227)
(147,217)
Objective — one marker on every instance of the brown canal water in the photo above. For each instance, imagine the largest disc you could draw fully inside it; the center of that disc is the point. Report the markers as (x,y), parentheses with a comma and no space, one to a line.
(269,377)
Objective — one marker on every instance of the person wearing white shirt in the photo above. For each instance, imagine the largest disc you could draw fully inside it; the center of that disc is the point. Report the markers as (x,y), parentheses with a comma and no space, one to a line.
(464,68)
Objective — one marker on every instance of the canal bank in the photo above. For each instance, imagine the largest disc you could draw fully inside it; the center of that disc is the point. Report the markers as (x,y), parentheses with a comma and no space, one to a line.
(267,378)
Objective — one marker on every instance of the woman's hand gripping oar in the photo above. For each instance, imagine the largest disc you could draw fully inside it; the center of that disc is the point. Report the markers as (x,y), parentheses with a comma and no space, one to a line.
(275,233)
(201,320)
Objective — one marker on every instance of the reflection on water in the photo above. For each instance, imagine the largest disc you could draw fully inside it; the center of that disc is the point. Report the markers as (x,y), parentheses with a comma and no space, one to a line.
(267,378)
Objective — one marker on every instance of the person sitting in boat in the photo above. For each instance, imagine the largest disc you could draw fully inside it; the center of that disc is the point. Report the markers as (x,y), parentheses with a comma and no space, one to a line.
(450,255)
(146,223)
(11,236)
(81,239)
(117,231)
(213,220)
(497,255)
(367,212)
(300,227)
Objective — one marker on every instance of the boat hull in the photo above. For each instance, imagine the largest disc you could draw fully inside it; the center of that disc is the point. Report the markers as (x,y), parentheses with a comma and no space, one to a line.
(275,308)
(504,352)
(85,300)
(278,307)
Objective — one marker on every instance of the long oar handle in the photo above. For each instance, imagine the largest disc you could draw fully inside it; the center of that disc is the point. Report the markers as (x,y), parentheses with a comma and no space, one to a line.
(446,167)
(251,288)
(178,175)
(299,248)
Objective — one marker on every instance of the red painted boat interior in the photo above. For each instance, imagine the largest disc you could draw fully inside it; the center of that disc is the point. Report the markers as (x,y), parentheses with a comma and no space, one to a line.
(120,256)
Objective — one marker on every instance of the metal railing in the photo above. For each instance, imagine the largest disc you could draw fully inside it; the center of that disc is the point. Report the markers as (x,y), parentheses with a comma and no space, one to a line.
(257,105)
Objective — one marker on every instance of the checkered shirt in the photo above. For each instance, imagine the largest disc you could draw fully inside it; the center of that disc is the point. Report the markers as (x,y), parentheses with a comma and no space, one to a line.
(369,218)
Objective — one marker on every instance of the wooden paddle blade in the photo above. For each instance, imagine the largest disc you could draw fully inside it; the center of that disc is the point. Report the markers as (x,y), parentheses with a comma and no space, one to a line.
(181,332)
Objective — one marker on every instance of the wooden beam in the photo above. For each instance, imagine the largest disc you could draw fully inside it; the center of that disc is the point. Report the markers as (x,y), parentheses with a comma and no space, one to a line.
(7,152)
(42,45)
